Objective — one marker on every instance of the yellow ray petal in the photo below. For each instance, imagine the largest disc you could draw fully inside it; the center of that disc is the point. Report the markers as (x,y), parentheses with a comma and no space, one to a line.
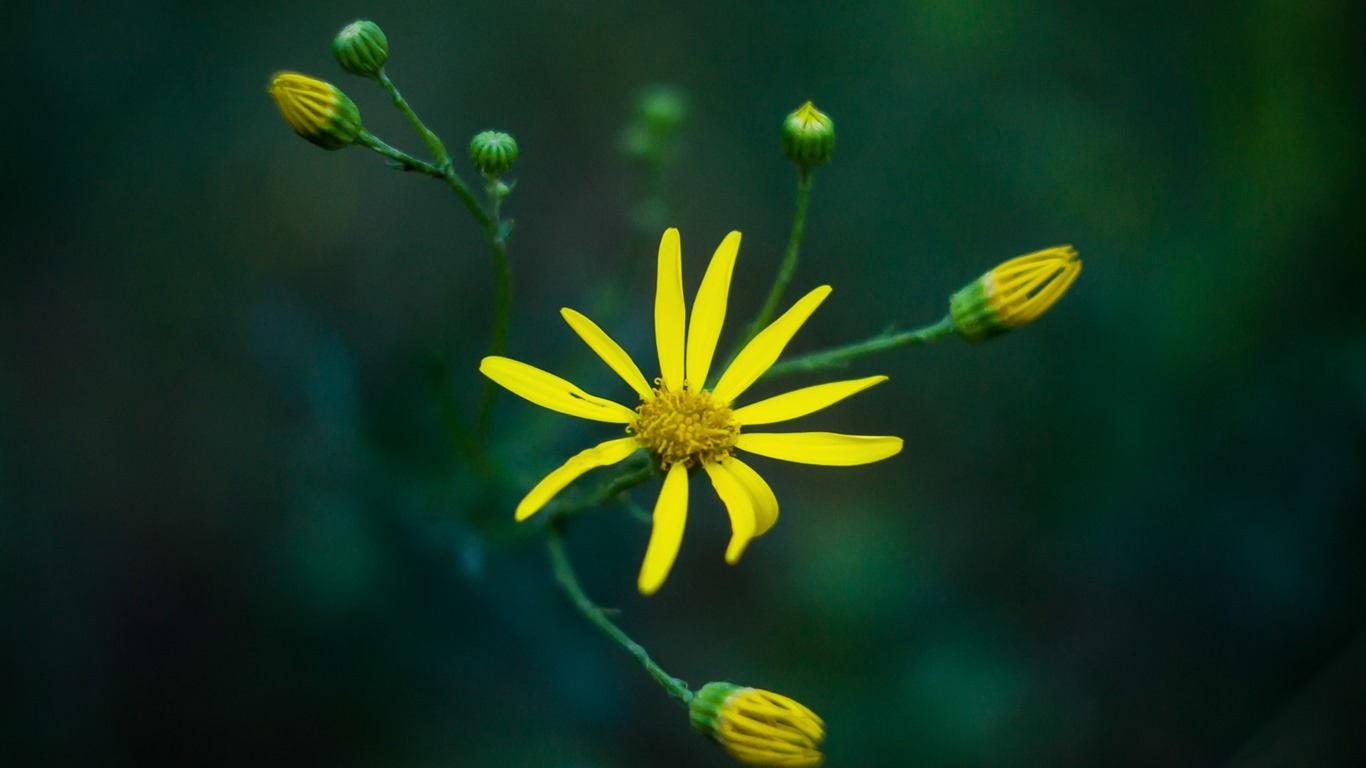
(671,512)
(550,391)
(709,311)
(600,455)
(739,505)
(765,503)
(827,448)
(669,311)
(763,350)
(610,352)
(800,402)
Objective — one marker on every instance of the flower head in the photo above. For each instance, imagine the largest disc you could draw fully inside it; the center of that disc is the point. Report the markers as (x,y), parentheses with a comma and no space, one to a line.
(758,727)
(1014,293)
(685,422)
(317,110)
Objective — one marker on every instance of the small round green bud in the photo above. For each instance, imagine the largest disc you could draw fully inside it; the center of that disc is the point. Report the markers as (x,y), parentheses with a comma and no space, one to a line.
(361,48)
(662,108)
(493,152)
(317,110)
(808,136)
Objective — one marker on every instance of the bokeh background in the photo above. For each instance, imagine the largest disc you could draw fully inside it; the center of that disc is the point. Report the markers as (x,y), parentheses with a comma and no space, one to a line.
(236,530)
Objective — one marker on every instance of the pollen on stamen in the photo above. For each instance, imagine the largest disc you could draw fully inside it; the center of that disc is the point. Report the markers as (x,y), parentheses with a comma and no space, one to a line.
(685,427)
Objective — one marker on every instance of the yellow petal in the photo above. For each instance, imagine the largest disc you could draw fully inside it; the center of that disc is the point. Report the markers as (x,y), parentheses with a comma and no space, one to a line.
(739,505)
(669,312)
(550,391)
(800,402)
(827,448)
(610,352)
(709,311)
(600,455)
(671,512)
(765,503)
(763,350)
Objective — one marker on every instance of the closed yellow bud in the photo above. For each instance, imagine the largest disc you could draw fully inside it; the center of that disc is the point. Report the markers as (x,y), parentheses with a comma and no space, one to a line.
(317,110)
(758,727)
(1014,293)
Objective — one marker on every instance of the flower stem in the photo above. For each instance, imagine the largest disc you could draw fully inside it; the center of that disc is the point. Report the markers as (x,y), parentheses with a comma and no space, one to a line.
(840,357)
(787,268)
(404,160)
(496,234)
(438,150)
(564,574)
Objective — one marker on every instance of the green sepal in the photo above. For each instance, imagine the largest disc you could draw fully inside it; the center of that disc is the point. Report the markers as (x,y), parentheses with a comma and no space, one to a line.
(974,314)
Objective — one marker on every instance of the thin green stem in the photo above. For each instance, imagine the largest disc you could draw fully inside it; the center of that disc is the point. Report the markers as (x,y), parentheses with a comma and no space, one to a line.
(406,161)
(627,477)
(496,233)
(787,268)
(438,150)
(564,574)
(840,357)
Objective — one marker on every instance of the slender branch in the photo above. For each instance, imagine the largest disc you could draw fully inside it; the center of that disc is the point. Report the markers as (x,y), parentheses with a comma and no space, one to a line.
(788,266)
(438,150)
(564,574)
(839,357)
(496,235)
(406,161)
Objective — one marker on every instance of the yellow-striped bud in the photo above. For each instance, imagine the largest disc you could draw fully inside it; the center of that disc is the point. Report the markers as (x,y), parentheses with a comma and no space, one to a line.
(1014,293)
(317,110)
(758,727)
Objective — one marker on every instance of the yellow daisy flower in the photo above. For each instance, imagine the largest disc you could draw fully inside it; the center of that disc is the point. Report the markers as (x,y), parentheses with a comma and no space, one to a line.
(685,425)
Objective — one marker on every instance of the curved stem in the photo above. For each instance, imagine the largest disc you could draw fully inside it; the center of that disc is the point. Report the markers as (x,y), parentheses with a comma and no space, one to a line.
(840,357)
(564,574)
(786,269)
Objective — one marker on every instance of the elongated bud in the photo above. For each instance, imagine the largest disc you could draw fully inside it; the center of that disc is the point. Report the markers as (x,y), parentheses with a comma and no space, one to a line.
(493,152)
(758,727)
(316,110)
(361,48)
(1014,293)
(808,136)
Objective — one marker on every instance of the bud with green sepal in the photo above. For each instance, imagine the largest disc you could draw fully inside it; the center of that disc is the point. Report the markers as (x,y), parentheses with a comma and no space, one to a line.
(1013,293)
(317,110)
(493,153)
(361,48)
(758,727)
(808,136)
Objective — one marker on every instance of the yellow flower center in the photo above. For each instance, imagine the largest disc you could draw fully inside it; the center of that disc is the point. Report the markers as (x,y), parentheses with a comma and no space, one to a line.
(685,427)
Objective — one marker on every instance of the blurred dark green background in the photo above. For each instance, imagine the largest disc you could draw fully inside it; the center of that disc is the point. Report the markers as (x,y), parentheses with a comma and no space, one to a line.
(234,529)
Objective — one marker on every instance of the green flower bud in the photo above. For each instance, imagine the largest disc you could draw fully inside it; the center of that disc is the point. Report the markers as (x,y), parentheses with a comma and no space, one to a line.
(808,136)
(651,135)
(661,108)
(758,727)
(316,110)
(493,152)
(1014,293)
(361,48)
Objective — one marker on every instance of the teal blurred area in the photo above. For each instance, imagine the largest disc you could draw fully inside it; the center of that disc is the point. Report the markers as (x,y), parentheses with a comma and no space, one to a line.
(235,529)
